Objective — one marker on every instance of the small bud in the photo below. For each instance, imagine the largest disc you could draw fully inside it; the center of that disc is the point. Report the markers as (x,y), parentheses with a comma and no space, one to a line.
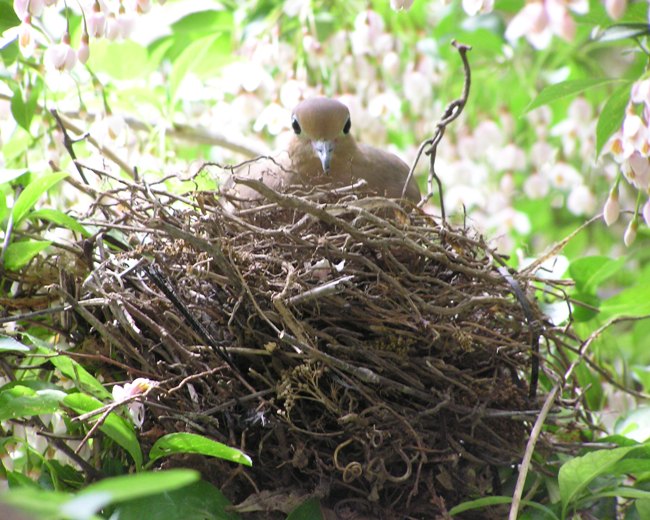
(398,5)
(143,6)
(630,232)
(36,7)
(97,21)
(84,51)
(615,8)
(612,208)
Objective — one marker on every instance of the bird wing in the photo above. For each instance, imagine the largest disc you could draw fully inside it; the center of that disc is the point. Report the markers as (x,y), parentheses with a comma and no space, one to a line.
(385,173)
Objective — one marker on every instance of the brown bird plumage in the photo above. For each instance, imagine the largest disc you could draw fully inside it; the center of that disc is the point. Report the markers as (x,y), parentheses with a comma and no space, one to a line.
(322,151)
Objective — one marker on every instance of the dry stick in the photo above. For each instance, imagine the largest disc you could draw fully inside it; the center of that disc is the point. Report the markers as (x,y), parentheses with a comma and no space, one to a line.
(68,142)
(556,248)
(105,411)
(548,403)
(452,111)
(89,470)
(98,325)
(108,152)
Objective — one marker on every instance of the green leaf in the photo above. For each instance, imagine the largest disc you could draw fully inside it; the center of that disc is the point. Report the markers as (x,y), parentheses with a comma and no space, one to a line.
(34,191)
(23,104)
(567,88)
(126,487)
(9,52)
(9,344)
(8,16)
(634,301)
(308,510)
(497,500)
(184,64)
(114,426)
(576,474)
(584,313)
(643,508)
(590,272)
(121,60)
(60,218)
(619,440)
(623,31)
(19,108)
(612,115)
(36,501)
(83,379)
(16,146)
(19,254)
(625,492)
(636,467)
(21,401)
(192,443)
(198,501)
(204,22)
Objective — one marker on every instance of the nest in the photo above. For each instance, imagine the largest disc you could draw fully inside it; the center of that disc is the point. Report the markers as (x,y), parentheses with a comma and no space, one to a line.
(358,349)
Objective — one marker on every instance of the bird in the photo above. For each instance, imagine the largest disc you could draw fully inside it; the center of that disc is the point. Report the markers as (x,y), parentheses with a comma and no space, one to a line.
(323,151)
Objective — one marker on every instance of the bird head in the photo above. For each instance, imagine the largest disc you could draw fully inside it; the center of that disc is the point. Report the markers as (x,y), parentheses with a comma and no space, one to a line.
(322,123)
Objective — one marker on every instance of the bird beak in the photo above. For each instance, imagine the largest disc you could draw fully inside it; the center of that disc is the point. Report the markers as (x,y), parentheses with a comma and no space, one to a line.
(324,151)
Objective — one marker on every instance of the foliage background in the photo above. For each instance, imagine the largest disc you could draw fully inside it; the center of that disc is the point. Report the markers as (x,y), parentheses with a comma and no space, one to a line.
(555,130)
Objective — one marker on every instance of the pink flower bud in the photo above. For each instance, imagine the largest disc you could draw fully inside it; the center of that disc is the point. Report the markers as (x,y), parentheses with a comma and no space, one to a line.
(21,8)
(615,8)
(97,21)
(126,24)
(61,56)
(84,51)
(612,208)
(143,6)
(398,5)
(27,7)
(630,232)
(112,27)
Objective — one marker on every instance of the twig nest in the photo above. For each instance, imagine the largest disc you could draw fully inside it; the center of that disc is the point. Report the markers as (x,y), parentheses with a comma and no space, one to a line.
(374,356)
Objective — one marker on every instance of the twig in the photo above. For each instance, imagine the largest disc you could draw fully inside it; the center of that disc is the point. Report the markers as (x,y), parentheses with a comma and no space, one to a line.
(327,289)
(105,150)
(452,111)
(68,142)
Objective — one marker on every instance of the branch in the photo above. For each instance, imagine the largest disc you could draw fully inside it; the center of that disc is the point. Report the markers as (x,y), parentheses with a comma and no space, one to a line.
(430,146)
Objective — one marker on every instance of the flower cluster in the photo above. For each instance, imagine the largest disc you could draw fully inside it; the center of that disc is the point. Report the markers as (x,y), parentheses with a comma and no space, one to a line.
(540,20)
(101,19)
(630,148)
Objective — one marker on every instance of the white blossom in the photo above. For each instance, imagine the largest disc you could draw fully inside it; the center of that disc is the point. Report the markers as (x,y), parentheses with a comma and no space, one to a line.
(630,233)
(612,208)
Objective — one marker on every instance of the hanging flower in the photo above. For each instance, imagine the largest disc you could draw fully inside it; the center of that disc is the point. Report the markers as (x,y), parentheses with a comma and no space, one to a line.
(61,56)
(130,390)
(612,208)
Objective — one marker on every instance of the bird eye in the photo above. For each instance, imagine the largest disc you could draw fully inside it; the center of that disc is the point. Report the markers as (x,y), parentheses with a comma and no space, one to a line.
(348,125)
(295,125)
